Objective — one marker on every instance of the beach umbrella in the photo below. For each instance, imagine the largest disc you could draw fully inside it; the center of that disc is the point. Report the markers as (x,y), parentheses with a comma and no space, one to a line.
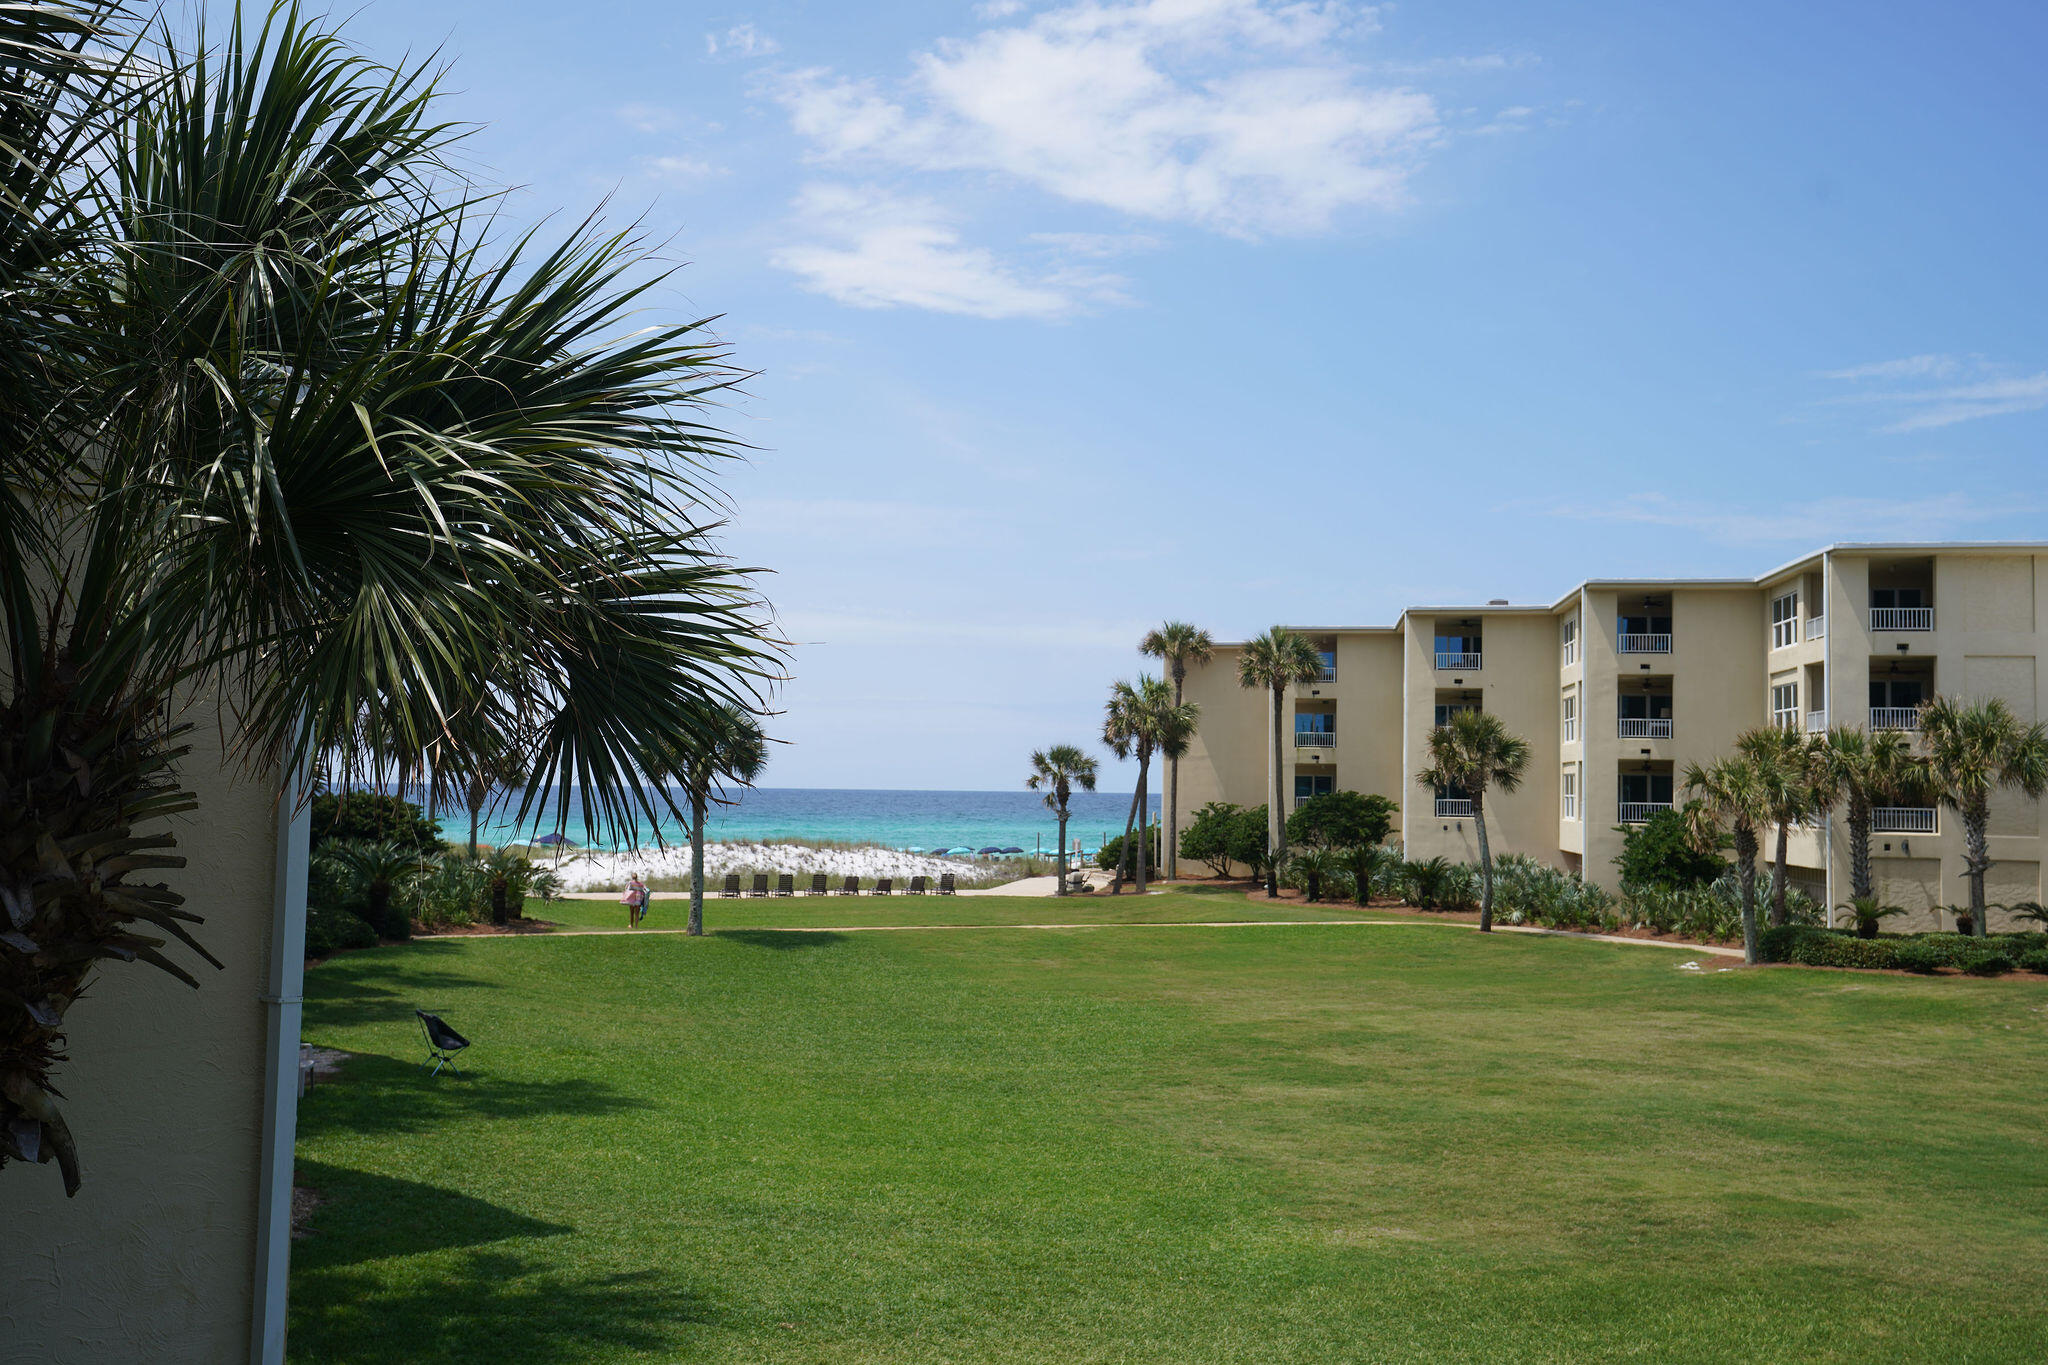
(990,849)
(553,839)
(1013,849)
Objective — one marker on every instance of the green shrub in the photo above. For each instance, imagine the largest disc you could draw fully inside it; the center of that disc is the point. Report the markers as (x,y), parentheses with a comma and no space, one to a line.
(2035,960)
(1815,947)
(1919,956)
(373,817)
(1110,853)
(1987,964)
(1660,855)
(1207,839)
(329,930)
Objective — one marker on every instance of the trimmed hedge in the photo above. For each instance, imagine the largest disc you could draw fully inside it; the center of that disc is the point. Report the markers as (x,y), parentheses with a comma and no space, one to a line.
(1811,946)
(1987,964)
(2035,960)
(330,930)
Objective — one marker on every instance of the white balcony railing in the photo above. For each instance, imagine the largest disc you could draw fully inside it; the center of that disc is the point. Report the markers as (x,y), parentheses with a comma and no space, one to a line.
(1816,722)
(1816,627)
(1639,812)
(1904,820)
(1326,675)
(1902,618)
(1463,662)
(1633,728)
(1894,717)
(1315,739)
(1449,807)
(1645,644)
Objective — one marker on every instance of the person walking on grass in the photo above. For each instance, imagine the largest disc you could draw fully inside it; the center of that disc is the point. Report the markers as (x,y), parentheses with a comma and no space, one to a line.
(636,901)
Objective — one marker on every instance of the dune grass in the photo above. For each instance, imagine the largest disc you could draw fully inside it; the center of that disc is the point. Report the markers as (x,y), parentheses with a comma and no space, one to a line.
(1242,1145)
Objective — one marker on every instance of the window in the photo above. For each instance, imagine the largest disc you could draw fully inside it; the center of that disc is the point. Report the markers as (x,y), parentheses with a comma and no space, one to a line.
(1315,723)
(1305,787)
(1329,658)
(1646,789)
(1445,710)
(1785,705)
(1906,598)
(1643,625)
(1570,725)
(1645,706)
(1571,641)
(1903,693)
(1785,620)
(1568,802)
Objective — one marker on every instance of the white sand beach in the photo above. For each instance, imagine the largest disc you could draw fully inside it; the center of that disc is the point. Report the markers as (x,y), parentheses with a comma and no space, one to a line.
(599,871)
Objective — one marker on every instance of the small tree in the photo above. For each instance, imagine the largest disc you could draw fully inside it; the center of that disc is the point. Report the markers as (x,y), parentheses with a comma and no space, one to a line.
(379,870)
(1176,644)
(1056,772)
(1207,837)
(1476,752)
(375,817)
(1142,718)
(1784,767)
(1351,826)
(727,745)
(1731,801)
(1660,854)
(1249,844)
(1973,749)
(1861,772)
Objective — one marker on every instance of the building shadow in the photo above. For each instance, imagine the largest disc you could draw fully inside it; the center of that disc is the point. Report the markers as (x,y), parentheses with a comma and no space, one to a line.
(365,1217)
(388,1095)
(781,940)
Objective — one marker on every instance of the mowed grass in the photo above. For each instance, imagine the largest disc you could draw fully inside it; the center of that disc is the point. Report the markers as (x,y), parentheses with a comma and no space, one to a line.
(672,910)
(1168,1145)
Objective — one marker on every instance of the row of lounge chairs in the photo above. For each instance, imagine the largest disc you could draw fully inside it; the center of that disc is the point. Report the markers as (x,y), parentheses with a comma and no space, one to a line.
(785,885)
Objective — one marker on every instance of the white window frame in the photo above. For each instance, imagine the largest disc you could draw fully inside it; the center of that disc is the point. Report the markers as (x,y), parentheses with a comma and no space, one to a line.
(1571,641)
(1785,620)
(1568,725)
(1568,798)
(1785,705)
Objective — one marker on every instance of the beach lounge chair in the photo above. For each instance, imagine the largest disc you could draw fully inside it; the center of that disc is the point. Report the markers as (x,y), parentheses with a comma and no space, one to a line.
(442,1043)
(732,884)
(817,884)
(920,885)
(760,886)
(850,887)
(883,888)
(945,883)
(785,885)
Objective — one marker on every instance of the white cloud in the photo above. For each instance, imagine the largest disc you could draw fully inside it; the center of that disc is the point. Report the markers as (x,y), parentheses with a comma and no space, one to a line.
(1981,388)
(885,251)
(680,167)
(1098,245)
(1820,520)
(998,9)
(741,40)
(1241,116)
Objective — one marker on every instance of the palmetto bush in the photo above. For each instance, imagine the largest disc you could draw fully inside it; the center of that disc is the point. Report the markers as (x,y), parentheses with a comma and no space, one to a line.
(283,429)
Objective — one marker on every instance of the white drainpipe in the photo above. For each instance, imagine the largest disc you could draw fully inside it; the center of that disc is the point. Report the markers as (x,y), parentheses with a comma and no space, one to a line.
(280,1078)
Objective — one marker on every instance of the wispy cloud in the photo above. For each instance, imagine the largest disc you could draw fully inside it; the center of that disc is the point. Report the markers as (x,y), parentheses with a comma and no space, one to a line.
(740,41)
(1926,392)
(1241,116)
(1936,517)
(873,249)
(679,167)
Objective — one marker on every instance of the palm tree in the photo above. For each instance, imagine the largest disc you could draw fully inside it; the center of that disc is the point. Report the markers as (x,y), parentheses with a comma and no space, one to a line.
(1972,749)
(1731,794)
(379,869)
(1056,772)
(1784,765)
(351,463)
(1476,752)
(1141,719)
(1176,644)
(1861,772)
(1277,661)
(728,747)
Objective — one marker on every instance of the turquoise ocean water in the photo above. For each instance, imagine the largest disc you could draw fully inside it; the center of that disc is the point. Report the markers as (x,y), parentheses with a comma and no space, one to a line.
(921,820)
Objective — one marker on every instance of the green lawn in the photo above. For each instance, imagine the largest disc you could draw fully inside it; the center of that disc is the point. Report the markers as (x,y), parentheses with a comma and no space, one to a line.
(1245,1145)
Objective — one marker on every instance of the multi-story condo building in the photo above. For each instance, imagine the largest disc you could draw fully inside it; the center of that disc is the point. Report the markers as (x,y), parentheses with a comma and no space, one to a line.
(1620,683)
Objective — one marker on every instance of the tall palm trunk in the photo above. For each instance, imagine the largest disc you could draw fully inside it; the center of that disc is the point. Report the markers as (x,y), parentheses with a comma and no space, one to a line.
(1778,876)
(1276,814)
(1123,852)
(1485,861)
(1859,847)
(1145,823)
(474,813)
(697,805)
(1745,870)
(1060,853)
(1976,813)
(1169,854)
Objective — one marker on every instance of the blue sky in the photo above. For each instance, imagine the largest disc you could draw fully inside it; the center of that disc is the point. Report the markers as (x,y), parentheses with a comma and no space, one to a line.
(1073,316)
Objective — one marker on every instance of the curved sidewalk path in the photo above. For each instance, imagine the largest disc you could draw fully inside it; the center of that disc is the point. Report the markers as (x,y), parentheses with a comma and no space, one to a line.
(1136,924)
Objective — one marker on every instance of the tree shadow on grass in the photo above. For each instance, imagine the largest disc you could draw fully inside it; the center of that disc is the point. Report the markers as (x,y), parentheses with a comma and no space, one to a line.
(390,984)
(497,1307)
(364,1217)
(781,940)
(385,1095)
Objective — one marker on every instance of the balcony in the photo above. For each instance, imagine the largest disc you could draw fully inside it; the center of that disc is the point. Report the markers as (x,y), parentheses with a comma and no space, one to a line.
(1816,627)
(1895,718)
(1315,739)
(1905,820)
(1633,728)
(1816,722)
(1453,807)
(1640,812)
(1463,663)
(1902,618)
(1326,673)
(1645,644)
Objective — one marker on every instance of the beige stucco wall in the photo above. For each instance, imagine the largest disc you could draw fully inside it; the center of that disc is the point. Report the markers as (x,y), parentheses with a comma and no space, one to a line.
(154,1260)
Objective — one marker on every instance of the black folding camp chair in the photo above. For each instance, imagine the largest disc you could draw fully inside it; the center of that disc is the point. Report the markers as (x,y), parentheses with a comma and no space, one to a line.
(442,1043)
